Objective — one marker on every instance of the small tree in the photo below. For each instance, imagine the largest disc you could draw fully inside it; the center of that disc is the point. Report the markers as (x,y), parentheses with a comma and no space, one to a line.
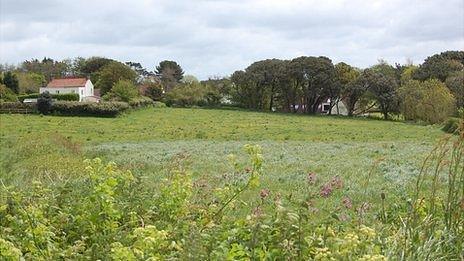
(44,103)
(123,90)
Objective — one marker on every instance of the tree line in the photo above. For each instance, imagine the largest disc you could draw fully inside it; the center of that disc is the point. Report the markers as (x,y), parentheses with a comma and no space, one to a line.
(304,83)
(428,92)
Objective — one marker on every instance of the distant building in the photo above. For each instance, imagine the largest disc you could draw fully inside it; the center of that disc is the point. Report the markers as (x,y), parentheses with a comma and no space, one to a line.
(81,86)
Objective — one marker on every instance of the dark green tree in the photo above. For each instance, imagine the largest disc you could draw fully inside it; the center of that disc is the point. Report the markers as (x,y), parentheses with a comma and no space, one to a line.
(455,82)
(440,66)
(351,88)
(383,89)
(170,74)
(44,103)
(11,81)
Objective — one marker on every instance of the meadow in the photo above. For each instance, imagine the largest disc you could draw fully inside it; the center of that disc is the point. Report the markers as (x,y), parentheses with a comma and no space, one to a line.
(343,170)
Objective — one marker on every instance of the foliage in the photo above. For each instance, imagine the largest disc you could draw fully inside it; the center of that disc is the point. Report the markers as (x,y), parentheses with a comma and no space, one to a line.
(455,83)
(451,125)
(440,66)
(123,90)
(30,82)
(140,102)
(158,104)
(123,218)
(17,107)
(152,89)
(101,109)
(10,80)
(351,88)
(194,94)
(428,101)
(44,103)
(6,94)
(112,73)
(170,74)
(382,86)
(56,96)
(47,67)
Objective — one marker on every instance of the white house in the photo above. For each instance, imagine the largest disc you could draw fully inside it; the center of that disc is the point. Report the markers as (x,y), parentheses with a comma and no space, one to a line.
(81,86)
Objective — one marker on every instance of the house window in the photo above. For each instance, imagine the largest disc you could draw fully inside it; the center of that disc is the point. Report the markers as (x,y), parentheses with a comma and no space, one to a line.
(325,107)
(82,92)
(57,92)
(73,91)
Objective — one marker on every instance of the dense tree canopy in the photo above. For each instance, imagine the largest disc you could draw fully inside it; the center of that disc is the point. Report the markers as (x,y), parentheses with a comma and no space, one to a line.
(113,72)
(170,74)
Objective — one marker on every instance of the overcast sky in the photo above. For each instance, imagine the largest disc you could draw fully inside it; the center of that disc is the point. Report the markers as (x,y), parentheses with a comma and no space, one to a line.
(218,37)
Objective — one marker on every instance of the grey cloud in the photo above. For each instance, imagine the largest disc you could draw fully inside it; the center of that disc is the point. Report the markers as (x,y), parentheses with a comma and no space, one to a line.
(217,37)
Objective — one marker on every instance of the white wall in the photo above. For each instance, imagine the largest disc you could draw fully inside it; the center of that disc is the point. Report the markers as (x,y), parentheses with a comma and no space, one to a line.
(89,89)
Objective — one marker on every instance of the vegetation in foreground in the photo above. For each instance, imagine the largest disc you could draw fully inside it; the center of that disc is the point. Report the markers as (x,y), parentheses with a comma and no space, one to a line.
(319,188)
(120,218)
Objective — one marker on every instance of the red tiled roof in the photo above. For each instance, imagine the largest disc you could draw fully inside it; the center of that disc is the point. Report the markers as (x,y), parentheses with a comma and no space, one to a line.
(67,82)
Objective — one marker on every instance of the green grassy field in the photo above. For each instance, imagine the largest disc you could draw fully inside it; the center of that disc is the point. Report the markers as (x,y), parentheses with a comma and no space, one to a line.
(146,141)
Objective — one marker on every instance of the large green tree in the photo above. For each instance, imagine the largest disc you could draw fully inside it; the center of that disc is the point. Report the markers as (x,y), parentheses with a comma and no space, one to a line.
(170,74)
(441,66)
(48,67)
(383,89)
(112,73)
(351,88)
(429,101)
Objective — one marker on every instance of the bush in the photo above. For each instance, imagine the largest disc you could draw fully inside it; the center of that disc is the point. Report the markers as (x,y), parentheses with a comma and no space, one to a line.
(7,95)
(57,96)
(103,109)
(193,94)
(152,90)
(141,102)
(44,103)
(17,107)
(158,104)
(123,90)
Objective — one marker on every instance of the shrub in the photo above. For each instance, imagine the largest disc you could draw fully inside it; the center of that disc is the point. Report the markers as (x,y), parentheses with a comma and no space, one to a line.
(17,107)
(152,90)
(193,94)
(103,109)
(56,96)
(7,95)
(158,104)
(140,102)
(44,103)
(123,90)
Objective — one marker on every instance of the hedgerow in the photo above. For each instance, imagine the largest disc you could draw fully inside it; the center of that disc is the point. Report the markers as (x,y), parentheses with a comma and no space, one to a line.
(102,109)
(109,213)
(56,96)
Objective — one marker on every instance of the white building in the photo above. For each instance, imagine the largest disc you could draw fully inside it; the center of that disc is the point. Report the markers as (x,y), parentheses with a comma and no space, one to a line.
(81,86)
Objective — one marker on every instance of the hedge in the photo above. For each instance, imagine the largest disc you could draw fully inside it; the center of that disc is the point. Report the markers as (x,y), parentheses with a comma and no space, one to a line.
(17,107)
(102,109)
(141,102)
(57,96)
